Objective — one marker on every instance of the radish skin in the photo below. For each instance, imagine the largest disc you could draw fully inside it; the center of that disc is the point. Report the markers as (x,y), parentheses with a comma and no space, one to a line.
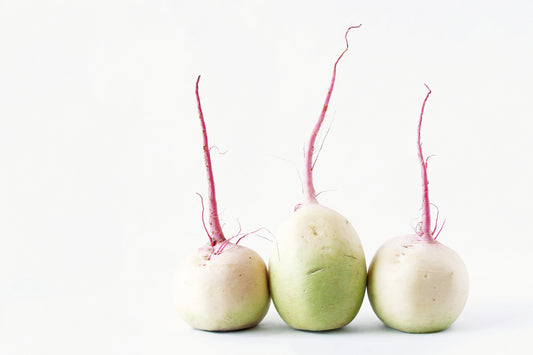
(415,283)
(221,286)
(227,292)
(317,268)
(417,286)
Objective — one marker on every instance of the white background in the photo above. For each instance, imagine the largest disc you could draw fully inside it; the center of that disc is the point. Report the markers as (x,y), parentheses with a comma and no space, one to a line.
(100,159)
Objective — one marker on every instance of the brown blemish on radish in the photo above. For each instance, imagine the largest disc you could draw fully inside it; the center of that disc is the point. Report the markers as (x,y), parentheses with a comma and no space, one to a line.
(314,271)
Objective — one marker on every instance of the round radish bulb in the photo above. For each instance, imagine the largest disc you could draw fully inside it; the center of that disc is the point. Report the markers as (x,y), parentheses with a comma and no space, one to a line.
(317,268)
(417,286)
(221,286)
(318,271)
(415,283)
(228,291)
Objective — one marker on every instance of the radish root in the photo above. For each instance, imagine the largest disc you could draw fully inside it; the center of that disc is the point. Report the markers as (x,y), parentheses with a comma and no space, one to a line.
(309,189)
(423,228)
(215,230)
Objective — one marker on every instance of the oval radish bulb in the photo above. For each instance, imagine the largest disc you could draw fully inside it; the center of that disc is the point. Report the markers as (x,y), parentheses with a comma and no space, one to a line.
(317,268)
(221,286)
(415,283)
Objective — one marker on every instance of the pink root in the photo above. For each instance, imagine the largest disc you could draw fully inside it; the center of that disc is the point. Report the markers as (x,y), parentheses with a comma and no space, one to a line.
(436,218)
(440,230)
(224,244)
(203,219)
(215,230)
(321,146)
(222,247)
(247,234)
(309,189)
(424,226)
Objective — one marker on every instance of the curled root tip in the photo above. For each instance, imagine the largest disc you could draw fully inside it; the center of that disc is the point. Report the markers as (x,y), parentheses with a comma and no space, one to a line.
(309,189)
(356,26)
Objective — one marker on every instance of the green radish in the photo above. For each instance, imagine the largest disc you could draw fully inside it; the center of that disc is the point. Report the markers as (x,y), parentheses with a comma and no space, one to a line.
(317,268)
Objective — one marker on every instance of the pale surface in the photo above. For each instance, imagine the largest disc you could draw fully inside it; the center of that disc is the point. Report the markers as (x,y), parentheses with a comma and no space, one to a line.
(417,287)
(317,269)
(229,291)
(100,159)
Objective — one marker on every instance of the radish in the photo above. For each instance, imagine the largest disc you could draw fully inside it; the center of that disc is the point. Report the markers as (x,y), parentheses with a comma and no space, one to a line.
(221,286)
(317,269)
(415,283)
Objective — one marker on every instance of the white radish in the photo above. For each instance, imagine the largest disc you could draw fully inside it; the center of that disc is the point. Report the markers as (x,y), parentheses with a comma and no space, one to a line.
(317,268)
(415,283)
(221,286)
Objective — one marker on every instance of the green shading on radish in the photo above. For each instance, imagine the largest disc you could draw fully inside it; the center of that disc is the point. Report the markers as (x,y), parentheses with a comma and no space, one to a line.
(317,269)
